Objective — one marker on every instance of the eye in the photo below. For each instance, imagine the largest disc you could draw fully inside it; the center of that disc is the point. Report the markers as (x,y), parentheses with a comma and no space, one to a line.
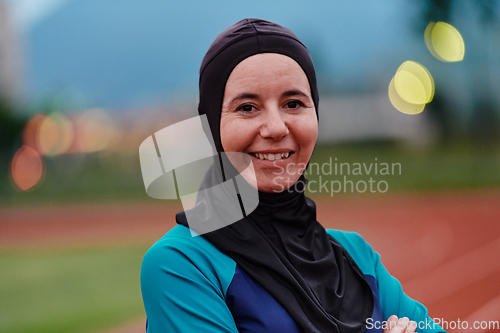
(245,108)
(294,104)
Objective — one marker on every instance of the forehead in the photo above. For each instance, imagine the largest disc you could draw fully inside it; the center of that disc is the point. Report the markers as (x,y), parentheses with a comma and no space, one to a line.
(268,68)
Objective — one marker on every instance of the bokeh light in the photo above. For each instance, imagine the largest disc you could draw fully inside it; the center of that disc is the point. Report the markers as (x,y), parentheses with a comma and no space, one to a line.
(411,88)
(444,42)
(402,105)
(26,168)
(55,135)
(414,83)
(96,131)
(31,131)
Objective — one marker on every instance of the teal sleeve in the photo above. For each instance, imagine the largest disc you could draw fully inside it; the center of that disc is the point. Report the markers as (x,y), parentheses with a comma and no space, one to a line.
(392,298)
(182,290)
(394,301)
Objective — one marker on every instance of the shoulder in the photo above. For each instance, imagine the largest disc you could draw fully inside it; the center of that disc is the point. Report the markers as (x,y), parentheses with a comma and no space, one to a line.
(357,247)
(184,283)
(179,253)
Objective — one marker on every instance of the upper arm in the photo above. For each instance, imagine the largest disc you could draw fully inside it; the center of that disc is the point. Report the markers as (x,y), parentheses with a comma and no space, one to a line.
(181,296)
(394,301)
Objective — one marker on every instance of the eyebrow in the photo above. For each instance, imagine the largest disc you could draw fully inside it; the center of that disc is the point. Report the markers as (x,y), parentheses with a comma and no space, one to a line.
(255,96)
(293,93)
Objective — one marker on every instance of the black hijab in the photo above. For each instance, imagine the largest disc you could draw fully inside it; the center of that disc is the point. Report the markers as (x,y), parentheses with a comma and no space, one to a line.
(280,244)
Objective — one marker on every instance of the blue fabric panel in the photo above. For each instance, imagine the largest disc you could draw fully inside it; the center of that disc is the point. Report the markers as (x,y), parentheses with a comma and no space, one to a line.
(377,318)
(254,309)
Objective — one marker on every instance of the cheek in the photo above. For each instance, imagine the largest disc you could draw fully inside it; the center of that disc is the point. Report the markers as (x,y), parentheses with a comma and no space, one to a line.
(306,134)
(236,134)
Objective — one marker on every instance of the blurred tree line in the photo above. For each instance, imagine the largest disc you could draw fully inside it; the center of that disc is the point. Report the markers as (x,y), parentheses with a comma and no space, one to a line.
(483,126)
(11,127)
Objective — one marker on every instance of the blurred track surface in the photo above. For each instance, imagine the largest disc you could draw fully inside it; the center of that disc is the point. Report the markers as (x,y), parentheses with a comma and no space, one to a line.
(444,248)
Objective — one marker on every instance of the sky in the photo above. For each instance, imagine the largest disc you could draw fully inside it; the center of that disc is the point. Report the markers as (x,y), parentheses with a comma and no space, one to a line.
(141,56)
(27,13)
(117,62)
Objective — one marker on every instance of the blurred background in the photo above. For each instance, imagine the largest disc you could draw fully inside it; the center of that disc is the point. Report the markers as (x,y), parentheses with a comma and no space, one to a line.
(84,82)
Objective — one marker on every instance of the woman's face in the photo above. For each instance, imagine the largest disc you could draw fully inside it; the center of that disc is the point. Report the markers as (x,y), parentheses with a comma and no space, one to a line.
(268,112)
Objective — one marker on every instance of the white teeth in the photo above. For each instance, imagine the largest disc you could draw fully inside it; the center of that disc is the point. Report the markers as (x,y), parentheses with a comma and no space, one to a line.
(271,157)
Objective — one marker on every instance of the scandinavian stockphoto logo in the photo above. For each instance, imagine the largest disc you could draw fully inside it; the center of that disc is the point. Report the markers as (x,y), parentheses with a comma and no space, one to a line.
(174,162)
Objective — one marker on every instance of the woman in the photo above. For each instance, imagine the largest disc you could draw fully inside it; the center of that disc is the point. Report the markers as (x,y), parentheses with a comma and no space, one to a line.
(277,269)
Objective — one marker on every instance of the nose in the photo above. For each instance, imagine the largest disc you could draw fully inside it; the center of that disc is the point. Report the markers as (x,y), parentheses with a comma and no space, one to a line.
(274,126)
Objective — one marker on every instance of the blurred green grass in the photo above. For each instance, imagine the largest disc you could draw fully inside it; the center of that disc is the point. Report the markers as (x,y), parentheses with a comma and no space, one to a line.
(114,177)
(81,179)
(69,290)
(439,168)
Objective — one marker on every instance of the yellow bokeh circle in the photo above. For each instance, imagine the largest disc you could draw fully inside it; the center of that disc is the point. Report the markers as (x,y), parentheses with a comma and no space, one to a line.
(411,88)
(414,83)
(402,105)
(444,41)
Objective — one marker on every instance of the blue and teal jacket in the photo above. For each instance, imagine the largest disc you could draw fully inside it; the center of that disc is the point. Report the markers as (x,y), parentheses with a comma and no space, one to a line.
(188,285)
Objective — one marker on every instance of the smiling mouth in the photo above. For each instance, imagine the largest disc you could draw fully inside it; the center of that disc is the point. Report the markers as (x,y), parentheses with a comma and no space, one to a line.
(272,157)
